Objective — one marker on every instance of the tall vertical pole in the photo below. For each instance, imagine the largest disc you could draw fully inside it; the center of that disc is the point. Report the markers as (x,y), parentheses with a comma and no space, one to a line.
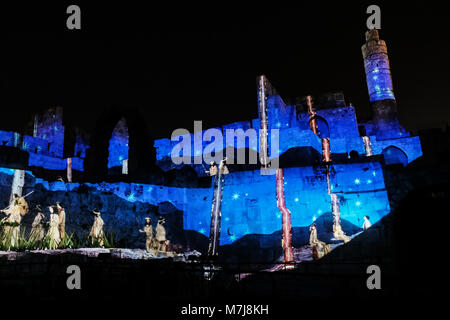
(69,169)
(326,152)
(312,115)
(17,140)
(216,214)
(367,146)
(335,206)
(18,183)
(286,218)
(35,125)
(326,158)
(264,130)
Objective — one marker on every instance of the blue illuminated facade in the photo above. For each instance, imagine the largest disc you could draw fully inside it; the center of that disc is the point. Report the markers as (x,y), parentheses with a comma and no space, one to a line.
(249,199)
(249,205)
(379,78)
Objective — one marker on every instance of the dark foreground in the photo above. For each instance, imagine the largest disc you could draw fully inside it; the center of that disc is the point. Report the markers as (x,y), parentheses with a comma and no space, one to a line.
(404,245)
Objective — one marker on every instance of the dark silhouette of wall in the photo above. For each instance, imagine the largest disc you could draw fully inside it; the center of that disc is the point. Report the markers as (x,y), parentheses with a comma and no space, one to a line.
(141,151)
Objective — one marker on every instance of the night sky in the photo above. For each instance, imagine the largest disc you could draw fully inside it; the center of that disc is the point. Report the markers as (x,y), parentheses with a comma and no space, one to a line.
(177,65)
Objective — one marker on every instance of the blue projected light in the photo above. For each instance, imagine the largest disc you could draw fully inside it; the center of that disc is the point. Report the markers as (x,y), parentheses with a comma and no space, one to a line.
(261,215)
(118,145)
(378,78)
(131,197)
(357,181)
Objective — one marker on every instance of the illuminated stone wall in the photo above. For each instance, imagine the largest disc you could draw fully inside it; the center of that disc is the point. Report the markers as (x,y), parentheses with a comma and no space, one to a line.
(339,124)
(47,147)
(7,138)
(50,128)
(249,202)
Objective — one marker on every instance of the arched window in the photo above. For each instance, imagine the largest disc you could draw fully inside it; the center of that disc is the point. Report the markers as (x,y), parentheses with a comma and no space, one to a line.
(118,145)
(323,131)
(353,154)
(394,155)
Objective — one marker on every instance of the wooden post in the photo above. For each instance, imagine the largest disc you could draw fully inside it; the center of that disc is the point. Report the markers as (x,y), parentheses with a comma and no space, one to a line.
(69,169)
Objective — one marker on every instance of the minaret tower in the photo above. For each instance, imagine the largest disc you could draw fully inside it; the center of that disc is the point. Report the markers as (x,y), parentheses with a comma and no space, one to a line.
(379,83)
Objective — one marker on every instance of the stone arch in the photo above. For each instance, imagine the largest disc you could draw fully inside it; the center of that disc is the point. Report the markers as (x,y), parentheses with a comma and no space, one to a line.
(118,146)
(353,154)
(323,130)
(141,154)
(394,155)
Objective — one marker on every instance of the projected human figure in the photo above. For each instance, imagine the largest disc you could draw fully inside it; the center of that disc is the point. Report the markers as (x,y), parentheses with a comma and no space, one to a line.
(366,224)
(53,235)
(62,220)
(212,169)
(37,233)
(319,248)
(223,166)
(160,242)
(337,230)
(148,230)
(96,233)
(14,214)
